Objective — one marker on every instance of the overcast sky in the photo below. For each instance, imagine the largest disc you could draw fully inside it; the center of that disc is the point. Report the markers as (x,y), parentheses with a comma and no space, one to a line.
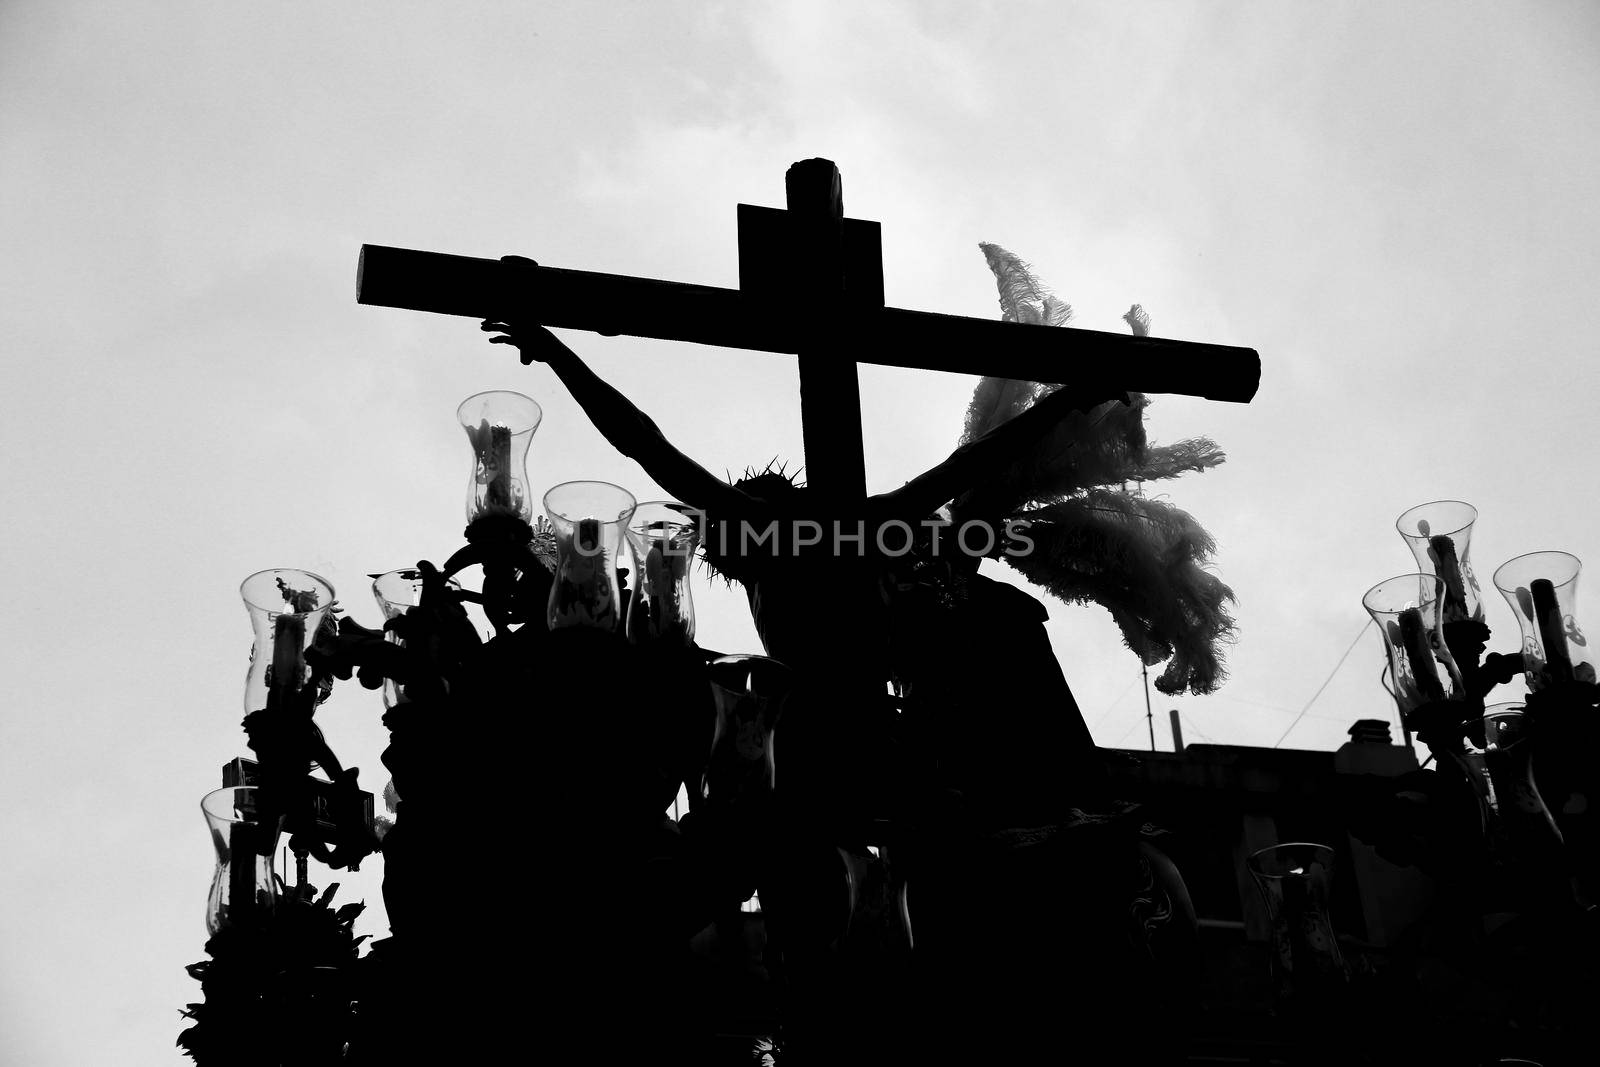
(1393,202)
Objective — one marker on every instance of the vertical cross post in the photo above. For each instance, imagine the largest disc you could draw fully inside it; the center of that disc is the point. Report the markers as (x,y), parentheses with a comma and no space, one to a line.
(830,391)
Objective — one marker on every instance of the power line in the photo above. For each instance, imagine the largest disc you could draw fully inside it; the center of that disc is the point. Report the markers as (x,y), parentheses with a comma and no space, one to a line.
(1197,731)
(1325,682)
(1227,698)
(1113,706)
(1256,703)
(1124,737)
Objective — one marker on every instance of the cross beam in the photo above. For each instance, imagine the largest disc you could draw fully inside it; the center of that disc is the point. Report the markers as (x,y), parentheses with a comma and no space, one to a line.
(828,269)
(613,304)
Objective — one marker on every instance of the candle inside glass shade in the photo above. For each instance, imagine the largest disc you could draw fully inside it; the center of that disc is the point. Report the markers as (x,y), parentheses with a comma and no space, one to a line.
(397,592)
(1294,880)
(1519,829)
(244,888)
(493,445)
(1421,668)
(1439,534)
(750,694)
(664,535)
(1542,589)
(587,519)
(289,638)
(500,426)
(1411,633)
(286,608)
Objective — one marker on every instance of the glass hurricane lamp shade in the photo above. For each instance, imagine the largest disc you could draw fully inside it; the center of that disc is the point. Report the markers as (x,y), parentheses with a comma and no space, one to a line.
(1542,589)
(750,693)
(1518,828)
(1421,670)
(1439,535)
(879,915)
(244,889)
(1294,881)
(500,426)
(287,608)
(664,536)
(397,593)
(588,519)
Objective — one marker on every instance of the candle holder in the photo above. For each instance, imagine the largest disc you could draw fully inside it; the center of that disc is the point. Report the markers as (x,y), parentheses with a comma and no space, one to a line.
(1542,589)
(1519,832)
(588,519)
(287,608)
(244,889)
(398,592)
(1294,881)
(879,913)
(750,693)
(500,426)
(1439,535)
(664,536)
(1422,672)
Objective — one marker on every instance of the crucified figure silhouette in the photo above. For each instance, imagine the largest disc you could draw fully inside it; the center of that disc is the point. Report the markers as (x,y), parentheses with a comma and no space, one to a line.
(819,601)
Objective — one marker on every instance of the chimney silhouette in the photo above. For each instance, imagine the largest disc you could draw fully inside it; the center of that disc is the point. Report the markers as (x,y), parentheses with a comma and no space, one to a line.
(1370,732)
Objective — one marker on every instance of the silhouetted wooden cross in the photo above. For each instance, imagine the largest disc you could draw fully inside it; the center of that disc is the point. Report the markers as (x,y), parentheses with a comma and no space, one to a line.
(826,272)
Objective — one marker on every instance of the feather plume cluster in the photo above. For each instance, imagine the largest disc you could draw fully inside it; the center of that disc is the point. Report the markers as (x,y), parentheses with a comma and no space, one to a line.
(1022,299)
(1145,561)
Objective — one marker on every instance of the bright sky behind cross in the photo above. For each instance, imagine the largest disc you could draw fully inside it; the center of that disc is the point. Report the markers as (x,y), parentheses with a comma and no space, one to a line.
(1393,202)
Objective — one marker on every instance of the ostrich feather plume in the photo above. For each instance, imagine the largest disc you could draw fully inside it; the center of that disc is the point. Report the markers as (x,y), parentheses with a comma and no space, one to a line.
(1143,560)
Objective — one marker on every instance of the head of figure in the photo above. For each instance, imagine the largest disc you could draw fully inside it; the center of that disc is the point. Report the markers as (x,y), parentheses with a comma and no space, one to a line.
(773,485)
(740,547)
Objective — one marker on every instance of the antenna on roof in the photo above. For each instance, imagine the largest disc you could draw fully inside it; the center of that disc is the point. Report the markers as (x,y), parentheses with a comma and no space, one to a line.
(1144,669)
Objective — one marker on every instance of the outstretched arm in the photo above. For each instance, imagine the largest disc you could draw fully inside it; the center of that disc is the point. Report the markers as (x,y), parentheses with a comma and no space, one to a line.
(988,455)
(630,431)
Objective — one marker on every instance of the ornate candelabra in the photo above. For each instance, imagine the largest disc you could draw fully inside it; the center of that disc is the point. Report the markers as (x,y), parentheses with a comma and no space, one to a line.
(1502,817)
(594,684)
(1435,638)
